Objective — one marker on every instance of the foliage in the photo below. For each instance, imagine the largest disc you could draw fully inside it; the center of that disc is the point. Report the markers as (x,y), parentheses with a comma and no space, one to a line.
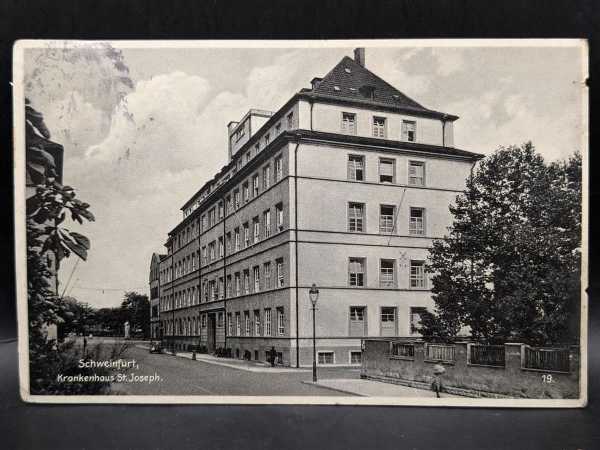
(136,310)
(510,265)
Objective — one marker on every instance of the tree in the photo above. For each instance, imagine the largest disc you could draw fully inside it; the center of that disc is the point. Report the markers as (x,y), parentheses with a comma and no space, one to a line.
(136,310)
(510,266)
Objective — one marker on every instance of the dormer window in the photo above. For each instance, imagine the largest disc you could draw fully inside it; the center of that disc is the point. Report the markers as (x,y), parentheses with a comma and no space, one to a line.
(368,92)
(409,130)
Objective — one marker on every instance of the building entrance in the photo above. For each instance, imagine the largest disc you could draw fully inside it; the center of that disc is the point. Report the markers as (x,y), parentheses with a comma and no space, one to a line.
(212,332)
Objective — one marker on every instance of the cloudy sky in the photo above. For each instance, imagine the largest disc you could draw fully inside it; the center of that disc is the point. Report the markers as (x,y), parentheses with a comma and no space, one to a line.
(144,128)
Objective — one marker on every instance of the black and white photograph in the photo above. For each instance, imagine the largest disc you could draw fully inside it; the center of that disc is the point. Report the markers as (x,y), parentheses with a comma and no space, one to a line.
(359,222)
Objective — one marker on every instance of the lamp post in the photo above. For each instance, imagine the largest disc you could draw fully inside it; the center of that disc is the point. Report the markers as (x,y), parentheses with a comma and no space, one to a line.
(313,293)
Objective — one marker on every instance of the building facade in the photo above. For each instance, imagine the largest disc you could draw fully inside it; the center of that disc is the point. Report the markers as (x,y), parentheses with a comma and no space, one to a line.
(345,186)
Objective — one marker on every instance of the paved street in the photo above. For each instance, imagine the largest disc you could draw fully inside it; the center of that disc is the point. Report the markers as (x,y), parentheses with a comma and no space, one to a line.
(182,376)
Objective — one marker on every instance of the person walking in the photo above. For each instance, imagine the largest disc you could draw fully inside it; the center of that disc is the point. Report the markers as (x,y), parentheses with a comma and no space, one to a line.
(436,384)
(272,356)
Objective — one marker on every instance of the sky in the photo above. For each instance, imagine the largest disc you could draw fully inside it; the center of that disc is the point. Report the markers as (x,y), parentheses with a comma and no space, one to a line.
(144,128)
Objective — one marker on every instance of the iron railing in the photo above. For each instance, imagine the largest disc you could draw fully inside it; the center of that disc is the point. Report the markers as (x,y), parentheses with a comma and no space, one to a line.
(487,355)
(439,352)
(550,359)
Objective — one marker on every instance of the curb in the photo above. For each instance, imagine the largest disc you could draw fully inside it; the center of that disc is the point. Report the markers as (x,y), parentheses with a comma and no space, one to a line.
(311,383)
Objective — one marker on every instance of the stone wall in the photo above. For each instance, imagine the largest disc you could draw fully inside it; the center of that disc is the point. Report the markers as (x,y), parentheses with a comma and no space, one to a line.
(462,377)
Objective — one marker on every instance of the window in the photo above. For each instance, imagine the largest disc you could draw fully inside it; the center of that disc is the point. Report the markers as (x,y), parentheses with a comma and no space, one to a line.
(229,325)
(356,216)
(266,177)
(386,273)
(416,313)
(267,222)
(388,321)
(267,273)
(237,284)
(247,325)
(416,223)
(355,357)
(203,320)
(280,322)
(358,324)
(255,185)
(211,251)
(246,192)
(238,325)
(221,247)
(256,271)
(290,120)
(228,242)
(228,286)
(246,235)
(246,282)
(325,358)
(386,170)
(267,322)
(257,322)
(221,210)
(278,169)
(348,123)
(279,213)
(220,320)
(278,128)
(236,233)
(417,274)
(356,271)
(416,173)
(409,130)
(356,167)
(248,156)
(221,288)
(280,279)
(236,198)
(387,214)
(379,127)
(267,139)
(257,148)
(256,226)
(228,205)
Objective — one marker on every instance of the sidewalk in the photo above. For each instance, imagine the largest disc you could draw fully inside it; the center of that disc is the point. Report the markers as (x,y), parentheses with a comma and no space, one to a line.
(370,388)
(240,364)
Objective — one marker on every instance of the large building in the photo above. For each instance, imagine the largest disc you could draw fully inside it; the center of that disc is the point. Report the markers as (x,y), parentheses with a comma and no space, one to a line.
(345,186)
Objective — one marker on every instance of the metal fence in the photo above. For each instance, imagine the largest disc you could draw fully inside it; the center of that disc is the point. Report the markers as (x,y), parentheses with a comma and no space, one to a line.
(487,355)
(551,359)
(439,352)
(402,350)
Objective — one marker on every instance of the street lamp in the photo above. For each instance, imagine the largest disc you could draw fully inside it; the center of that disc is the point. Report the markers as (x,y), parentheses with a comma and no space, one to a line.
(313,293)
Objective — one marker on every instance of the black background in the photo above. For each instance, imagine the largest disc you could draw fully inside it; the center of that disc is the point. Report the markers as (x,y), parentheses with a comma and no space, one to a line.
(230,427)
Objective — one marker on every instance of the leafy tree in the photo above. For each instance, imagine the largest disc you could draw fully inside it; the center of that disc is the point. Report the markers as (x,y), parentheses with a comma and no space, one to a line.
(136,310)
(510,265)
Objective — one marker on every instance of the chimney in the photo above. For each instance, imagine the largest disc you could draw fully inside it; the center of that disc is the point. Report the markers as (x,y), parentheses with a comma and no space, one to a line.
(359,56)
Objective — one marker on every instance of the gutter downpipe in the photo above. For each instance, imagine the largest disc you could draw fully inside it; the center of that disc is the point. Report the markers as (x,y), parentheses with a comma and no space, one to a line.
(296,245)
(224,282)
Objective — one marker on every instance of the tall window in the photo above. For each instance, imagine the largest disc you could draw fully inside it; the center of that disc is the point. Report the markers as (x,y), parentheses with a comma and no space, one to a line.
(221,247)
(255,185)
(248,156)
(246,192)
(416,173)
(267,222)
(386,273)
(236,234)
(356,212)
(211,249)
(416,224)
(267,139)
(386,170)
(247,325)
(237,284)
(279,212)
(256,271)
(267,322)
(290,120)
(409,130)
(246,235)
(229,325)
(238,325)
(358,324)
(257,322)
(228,242)
(246,282)
(356,167)
(278,168)
(387,215)
(388,321)
(221,288)
(280,276)
(228,205)
(348,123)
(236,199)
(356,271)
(220,320)
(228,286)
(280,322)
(267,273)
(256,226)
(221,210)
(416,313)
(379,127)
(266,177)
(417,274)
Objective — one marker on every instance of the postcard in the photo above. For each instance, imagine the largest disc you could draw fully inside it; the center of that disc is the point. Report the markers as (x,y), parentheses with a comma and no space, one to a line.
(376,222)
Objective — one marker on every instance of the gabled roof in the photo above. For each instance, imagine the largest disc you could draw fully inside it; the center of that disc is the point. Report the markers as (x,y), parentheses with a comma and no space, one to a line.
(348,80)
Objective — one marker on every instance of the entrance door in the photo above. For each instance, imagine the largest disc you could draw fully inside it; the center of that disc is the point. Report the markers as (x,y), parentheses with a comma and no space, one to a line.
(212,332)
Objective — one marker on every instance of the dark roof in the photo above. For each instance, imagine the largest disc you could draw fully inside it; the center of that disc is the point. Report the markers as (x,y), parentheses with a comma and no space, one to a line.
(350,81)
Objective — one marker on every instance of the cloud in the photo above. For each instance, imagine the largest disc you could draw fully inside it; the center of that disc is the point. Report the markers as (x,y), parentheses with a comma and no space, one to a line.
(449,61)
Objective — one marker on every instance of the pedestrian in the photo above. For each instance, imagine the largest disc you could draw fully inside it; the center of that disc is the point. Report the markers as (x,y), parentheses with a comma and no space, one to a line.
(436,384)
(272,356)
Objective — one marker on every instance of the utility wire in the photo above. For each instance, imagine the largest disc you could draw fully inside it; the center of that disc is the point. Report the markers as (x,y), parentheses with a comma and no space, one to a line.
(70,276)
